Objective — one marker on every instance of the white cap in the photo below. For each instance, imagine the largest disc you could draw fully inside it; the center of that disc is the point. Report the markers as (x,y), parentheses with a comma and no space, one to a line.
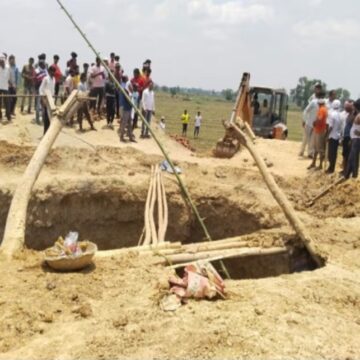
(336,104)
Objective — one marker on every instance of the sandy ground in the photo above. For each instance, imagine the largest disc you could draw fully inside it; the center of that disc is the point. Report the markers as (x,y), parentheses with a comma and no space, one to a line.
(112,311)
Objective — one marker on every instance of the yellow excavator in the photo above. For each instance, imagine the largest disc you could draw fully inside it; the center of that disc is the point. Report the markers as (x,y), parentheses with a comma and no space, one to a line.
(264,111)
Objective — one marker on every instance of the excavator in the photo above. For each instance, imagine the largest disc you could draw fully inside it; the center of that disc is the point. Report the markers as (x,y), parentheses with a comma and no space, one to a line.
(264,111)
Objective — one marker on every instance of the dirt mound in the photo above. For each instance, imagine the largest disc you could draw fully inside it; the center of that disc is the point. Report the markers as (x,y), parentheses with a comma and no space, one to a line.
(13,155)
(342,201)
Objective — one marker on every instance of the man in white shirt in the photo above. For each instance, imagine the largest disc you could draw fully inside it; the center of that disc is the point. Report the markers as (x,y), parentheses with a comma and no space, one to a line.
(330,100)
(148,107)
(4,87)
(98,79)
(198,120)
(334,134)
(47,85)
(309,117)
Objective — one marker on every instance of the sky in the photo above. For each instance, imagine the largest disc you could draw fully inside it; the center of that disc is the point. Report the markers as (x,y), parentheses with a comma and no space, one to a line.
(197,43)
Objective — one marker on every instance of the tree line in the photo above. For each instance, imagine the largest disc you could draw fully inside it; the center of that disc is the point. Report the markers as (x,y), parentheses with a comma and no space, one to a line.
(299,95)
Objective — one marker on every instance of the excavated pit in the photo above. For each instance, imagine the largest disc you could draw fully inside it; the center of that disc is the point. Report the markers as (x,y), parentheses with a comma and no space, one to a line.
(113,219)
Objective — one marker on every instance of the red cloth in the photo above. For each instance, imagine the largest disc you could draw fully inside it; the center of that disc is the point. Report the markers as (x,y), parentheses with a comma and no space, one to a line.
(58,73)
(140,84)
(320,123)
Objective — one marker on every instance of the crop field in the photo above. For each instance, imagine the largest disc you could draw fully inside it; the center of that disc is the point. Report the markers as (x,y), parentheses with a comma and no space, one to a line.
(213,109)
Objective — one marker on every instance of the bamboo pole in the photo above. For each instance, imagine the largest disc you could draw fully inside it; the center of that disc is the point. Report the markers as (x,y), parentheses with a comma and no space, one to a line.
(166,210)
(279,196)
(147,240)
(182,185)
(154,237)
(160,205)
(81,98)
(177,261)
(14,235)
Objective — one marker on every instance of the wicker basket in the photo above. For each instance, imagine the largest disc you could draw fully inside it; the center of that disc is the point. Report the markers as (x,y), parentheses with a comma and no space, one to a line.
(72,263)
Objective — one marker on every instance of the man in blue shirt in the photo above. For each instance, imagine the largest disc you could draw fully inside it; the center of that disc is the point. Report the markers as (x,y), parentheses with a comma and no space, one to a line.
(13,83)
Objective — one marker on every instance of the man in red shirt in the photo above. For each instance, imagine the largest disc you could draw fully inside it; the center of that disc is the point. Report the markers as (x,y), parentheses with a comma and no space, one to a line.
(319,134)
(58,76)
(137,82)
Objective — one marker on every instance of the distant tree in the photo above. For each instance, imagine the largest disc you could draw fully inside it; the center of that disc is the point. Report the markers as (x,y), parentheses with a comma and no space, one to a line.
(301,93)
(343,94)
(173,91)
(228,94)
(165,89)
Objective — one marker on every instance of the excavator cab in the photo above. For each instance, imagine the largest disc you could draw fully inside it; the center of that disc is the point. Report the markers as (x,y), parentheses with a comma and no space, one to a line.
(269,107)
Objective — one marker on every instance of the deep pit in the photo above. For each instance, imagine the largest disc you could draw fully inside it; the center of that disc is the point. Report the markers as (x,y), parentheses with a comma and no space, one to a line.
(113,219)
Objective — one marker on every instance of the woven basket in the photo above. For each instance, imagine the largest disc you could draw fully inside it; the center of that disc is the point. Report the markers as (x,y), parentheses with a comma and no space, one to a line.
(72,263)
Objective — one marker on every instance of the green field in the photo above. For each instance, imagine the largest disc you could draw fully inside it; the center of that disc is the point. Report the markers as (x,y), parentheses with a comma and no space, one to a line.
(213,109)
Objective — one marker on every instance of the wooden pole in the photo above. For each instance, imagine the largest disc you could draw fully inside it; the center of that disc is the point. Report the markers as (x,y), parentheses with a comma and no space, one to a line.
(187,259)
(324,192)
(154,237)
(147,240)
(278,195)
(14,235)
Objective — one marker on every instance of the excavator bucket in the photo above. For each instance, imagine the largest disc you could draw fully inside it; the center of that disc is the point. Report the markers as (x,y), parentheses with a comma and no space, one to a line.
(228,146)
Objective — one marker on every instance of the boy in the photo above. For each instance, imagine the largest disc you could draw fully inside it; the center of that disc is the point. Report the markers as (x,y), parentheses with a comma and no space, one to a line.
(198,120)
(185,119)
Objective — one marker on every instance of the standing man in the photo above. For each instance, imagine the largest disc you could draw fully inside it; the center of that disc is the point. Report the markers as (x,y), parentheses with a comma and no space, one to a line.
(334,131)
(148,106)
(137,82)
(47,85)
(353,162)
(83,109)
(185,119)
(126,124)
(198,120)
(13,83)
(348,116)
(97,76)
(28,74)
(309,116)
(72,63)
(110,102)
(85,69)
(329,101)
(4,88)
(118,75)
(112,62)
(58,76)
(319,134)
(41,73)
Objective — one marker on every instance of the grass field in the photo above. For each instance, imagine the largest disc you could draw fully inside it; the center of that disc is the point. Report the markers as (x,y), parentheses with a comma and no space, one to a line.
(213,111)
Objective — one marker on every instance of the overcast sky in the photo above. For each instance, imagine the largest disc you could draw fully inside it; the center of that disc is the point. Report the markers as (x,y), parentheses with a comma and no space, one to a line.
(198,43)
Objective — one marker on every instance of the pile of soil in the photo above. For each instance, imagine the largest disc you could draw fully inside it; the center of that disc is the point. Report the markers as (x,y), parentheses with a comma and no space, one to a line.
(111,310)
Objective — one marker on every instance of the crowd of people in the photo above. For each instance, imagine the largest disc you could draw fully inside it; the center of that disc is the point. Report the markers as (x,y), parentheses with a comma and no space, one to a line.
(327,126)
(105,98)
(98,81)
